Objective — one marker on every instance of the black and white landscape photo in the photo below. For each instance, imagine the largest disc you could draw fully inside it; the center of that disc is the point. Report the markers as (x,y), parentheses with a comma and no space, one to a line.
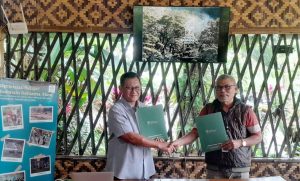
(180,33)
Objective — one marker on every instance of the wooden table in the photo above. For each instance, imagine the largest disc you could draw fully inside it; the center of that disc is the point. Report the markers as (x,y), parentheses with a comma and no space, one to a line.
(273,178)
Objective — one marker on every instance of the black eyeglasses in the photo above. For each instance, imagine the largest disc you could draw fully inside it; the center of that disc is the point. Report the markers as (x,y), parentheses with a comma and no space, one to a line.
(136,89)
(226,87)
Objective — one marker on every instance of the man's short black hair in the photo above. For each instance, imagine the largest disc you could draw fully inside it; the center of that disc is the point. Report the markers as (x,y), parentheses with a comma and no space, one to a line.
(128,75)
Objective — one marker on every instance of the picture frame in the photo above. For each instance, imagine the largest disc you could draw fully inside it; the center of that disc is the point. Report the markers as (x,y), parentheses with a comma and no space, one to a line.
(40,165)
(181,34)
(17,175)
(40,137)
(41,114)
(13,150)
(12,117)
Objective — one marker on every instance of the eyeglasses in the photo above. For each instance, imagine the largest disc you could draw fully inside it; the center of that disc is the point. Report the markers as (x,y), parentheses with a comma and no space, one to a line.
(226,87)
(136,89)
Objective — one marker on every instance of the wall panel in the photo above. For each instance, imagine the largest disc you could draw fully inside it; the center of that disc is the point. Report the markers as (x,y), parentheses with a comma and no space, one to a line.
(247,16)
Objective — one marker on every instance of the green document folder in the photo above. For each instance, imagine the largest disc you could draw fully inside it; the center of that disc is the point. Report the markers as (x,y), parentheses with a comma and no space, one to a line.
(151,122)
(211,131)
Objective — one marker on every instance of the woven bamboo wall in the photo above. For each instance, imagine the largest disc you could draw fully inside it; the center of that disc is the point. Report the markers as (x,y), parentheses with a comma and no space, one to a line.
(182,168)
(247,16)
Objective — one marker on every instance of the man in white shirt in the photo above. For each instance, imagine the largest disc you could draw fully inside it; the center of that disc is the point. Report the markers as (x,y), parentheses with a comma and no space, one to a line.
(129,154)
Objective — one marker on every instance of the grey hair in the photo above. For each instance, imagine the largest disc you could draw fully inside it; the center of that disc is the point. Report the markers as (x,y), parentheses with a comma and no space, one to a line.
(225,76)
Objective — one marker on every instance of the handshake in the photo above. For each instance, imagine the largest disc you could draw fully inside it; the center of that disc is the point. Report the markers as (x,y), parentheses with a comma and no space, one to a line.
(167,147)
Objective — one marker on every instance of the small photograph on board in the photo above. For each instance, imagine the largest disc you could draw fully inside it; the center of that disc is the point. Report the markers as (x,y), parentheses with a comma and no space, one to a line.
(13,150)
(13,176)
(40,114)
(40,166)
(12,117)
(40,137)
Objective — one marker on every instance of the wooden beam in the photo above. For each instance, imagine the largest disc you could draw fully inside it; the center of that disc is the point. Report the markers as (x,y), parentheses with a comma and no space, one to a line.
(2,64)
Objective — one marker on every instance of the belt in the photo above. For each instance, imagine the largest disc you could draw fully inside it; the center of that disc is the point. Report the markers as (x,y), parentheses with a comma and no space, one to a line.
(234,169)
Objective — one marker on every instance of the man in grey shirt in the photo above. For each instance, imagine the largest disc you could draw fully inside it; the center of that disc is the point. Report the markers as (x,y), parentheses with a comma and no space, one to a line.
(129,154)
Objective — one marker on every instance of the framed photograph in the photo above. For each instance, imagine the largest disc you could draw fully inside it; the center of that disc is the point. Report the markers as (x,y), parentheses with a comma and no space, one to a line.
(40,137)
(14,176)
(13,150)
(181,34)
(40,114)
(40,166)
(12,117)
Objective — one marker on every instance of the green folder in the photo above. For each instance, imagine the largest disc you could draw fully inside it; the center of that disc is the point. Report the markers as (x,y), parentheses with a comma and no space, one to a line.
(211,131)
(151,122)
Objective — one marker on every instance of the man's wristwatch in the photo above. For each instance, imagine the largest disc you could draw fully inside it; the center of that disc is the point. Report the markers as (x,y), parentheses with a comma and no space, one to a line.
(244,143)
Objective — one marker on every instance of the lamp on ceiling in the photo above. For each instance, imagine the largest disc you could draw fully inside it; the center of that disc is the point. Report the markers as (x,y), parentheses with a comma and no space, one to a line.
(16,27)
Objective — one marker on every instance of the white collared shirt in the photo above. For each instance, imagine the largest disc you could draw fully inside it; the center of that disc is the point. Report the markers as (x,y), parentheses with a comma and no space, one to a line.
(126,160)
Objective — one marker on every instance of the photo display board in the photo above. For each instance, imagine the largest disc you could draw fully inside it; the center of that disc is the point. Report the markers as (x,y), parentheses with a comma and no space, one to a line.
(27,130)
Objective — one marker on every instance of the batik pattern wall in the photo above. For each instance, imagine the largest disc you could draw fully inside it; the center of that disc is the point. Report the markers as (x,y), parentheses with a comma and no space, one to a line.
(247,16)
(182,168)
